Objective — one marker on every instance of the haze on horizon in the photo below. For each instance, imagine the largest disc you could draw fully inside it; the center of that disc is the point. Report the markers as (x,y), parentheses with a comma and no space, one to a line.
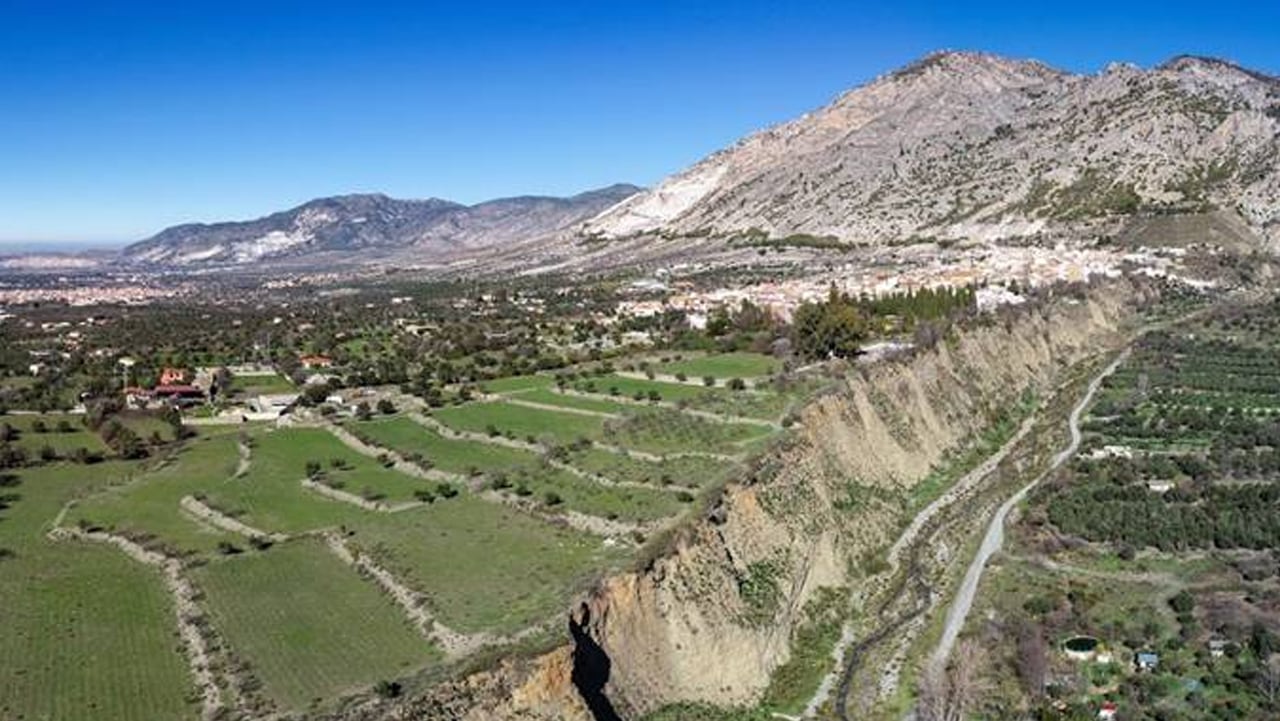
(121,121)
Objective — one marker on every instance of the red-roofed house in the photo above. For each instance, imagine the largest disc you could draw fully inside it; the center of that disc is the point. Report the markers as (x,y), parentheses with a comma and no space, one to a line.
(315,361)
(1108,711)
(173,376)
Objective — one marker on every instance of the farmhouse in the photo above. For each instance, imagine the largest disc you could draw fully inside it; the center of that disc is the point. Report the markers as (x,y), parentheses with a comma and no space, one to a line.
(315,361)
(178,395)
(173,376)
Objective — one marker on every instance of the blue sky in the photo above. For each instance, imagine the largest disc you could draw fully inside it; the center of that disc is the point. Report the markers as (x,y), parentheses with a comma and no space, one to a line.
(117,121)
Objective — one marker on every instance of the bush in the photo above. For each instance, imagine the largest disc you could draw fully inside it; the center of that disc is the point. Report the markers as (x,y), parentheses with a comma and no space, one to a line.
(737,384)
(424,495)
(446,490)
(708,381)
(388,689)
(551,498)
(386,407)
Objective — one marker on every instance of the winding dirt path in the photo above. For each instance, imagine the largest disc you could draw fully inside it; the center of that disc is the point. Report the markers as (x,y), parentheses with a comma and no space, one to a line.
(994,538)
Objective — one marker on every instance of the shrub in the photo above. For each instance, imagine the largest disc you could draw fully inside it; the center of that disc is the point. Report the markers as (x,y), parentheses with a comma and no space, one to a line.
(708,381)
(551,498)
(446,490)
(388,689)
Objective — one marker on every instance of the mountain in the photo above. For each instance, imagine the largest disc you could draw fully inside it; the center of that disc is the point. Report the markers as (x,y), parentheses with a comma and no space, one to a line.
(963,145)
(373,225)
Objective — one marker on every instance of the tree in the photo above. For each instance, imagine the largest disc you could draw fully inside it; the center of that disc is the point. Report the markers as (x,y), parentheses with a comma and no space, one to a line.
(363,412)
(832,328)
(386,407)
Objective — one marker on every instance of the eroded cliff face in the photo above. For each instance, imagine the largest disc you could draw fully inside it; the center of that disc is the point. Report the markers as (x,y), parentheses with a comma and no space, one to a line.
(713,619)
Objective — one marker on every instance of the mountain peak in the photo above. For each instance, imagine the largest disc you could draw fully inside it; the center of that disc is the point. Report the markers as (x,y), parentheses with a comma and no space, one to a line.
(969,63)
(972,145)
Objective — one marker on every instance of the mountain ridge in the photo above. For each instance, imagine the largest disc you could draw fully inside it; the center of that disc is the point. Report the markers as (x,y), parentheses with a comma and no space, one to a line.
(971,145)
(371,222)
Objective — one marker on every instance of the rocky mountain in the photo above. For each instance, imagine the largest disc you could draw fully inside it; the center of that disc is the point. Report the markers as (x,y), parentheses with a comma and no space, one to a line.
(362,226)
(974,146)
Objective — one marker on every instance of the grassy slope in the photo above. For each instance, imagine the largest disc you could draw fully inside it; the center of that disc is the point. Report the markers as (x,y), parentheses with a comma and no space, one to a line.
(484,567)
(563,427)
(88,633)
(331,632)
(150,504)
(724,365)
(456,456)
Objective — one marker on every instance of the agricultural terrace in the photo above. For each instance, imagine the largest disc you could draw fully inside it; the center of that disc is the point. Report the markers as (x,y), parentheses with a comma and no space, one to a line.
(535,479)
(307,625)
(455,550)
(62,432)
(88,632)
(723,365)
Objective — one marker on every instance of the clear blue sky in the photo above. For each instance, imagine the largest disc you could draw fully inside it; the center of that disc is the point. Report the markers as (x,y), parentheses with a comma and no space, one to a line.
(117,121)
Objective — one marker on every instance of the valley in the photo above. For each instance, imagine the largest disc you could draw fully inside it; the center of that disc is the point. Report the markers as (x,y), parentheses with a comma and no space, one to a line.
(953,399)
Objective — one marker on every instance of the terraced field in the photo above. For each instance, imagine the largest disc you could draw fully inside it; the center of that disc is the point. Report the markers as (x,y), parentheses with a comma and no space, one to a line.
(447,454)
(484,567)
(62,432)
(521,422)
(88,633)
(308,625)
(481,523)
(724,365)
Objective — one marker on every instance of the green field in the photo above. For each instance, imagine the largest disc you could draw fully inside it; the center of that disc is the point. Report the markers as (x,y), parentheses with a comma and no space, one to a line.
(683,471)
(724,365)
(663,430)
(630,387)
(486,567)
(256,385)
(553,398)
(517,383)
(521,422)
(270,496)
(150,503)
(447,454)
(88,633)
(587,496)
(63,442)
(307,624)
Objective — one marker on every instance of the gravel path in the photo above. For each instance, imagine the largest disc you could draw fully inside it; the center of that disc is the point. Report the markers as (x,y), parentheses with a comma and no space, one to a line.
(994,539)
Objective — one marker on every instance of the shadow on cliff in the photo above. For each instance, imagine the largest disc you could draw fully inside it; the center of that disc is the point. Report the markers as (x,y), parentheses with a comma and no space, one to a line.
(591,667)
